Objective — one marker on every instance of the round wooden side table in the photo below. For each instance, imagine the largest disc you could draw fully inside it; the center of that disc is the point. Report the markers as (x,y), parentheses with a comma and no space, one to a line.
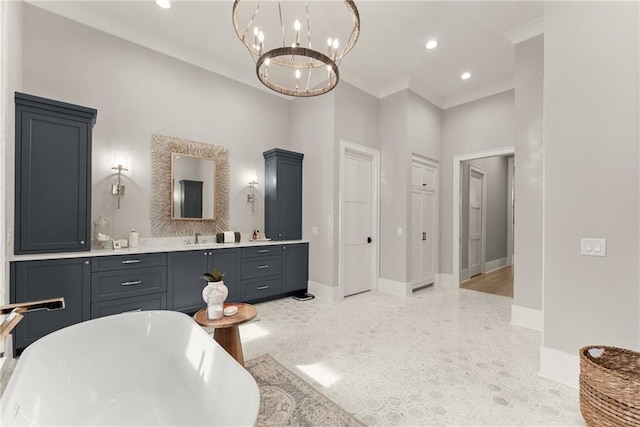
(226,331)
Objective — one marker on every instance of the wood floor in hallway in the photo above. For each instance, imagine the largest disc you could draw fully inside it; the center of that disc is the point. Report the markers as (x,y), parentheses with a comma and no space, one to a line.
(496,282)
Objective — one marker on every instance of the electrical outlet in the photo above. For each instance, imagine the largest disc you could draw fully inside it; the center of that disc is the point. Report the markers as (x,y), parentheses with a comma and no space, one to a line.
(314,231)
(399,231)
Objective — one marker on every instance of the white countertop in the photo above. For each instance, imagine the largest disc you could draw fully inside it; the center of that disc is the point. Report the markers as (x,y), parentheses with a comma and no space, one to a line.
(154,245)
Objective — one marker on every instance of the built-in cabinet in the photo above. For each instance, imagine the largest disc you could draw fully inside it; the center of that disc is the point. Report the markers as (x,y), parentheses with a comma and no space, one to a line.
(423,233)
(52,175)
(37,280)
(283,194)
(124,283)
(185,270)
(104,285)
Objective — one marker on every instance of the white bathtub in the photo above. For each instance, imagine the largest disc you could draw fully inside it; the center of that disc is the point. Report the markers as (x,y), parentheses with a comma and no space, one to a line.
(146,368)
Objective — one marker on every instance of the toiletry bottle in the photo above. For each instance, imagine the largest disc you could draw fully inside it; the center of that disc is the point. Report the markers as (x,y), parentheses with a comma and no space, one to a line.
(255,235)
(258,235)
(133,238)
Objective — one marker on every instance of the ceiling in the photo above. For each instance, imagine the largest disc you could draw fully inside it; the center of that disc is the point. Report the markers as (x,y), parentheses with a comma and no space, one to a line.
(389,55)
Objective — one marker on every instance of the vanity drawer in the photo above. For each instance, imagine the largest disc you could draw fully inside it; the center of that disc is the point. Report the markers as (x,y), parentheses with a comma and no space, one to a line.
(261,251)
(123,305)
(261,266)
(119,262)
(260,288)
(110,285)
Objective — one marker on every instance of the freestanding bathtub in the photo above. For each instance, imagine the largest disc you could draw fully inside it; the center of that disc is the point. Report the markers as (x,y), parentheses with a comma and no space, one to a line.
(145,368)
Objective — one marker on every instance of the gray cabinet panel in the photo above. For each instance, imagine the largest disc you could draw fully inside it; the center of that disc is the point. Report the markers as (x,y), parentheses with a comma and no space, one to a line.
(283,194)
(261,251)
(119,262)
(260,289)
(53,175)
(185,271)
(123,305)
(295,267)
(110,285)
(261,266)
(35,280)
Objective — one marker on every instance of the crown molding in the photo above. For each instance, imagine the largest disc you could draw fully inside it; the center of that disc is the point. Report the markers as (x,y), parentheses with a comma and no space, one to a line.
(414,85)
(526,31)
(483,92)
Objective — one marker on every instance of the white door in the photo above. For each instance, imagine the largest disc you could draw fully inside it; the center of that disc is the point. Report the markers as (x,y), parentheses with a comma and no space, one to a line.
(423,217)
(476,179)
(357,211)
(423,237)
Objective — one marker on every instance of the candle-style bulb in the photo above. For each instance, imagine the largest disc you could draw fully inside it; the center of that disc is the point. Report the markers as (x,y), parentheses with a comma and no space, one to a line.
(260,42)
(296,25)
(335,44)
(266,67)
(255,31)
(297,74)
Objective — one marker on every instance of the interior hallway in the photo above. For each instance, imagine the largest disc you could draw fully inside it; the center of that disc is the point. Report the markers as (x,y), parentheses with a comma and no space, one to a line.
(496,282)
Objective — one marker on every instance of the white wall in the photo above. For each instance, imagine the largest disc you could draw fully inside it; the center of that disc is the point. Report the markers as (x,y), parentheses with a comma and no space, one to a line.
(527,274)
(477,126)
(591,88)
(312,124)
(409,124)
(138,92)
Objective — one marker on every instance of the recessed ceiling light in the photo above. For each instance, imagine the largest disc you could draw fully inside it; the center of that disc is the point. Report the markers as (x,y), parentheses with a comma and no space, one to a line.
(432,44)
(466,75)
(165,4)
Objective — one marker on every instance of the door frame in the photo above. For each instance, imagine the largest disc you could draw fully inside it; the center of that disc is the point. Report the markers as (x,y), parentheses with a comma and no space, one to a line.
(374,155)
(483,220)
(457,161)
(510,210)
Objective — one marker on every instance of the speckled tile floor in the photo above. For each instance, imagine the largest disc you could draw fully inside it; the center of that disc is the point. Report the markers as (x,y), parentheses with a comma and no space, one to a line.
(442,357)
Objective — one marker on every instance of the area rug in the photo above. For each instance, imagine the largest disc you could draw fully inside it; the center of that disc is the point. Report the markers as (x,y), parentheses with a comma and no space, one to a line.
(288,400)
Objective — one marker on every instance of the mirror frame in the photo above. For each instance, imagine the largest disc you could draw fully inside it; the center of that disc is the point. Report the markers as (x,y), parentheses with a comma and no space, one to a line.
(162,224)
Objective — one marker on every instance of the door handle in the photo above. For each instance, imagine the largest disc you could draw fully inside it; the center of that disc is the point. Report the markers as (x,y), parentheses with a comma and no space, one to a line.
(424,235)
(369,240)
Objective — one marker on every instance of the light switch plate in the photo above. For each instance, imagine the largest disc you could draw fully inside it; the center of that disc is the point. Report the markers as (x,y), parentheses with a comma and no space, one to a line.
(399,231)
(593,247)
(314,231)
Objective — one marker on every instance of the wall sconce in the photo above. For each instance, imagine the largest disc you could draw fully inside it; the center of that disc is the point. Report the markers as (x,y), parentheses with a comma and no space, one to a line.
(251,197)
(119,163)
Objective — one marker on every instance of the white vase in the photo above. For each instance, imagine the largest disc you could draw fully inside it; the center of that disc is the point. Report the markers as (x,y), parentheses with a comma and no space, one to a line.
(210,285)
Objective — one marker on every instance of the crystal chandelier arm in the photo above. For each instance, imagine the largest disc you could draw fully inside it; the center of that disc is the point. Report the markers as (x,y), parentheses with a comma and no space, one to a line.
(255,12)
(281,23)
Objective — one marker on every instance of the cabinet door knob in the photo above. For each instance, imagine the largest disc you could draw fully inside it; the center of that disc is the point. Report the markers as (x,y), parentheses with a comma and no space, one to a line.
(86,263)
(205,254)
(82,242)
(284,248)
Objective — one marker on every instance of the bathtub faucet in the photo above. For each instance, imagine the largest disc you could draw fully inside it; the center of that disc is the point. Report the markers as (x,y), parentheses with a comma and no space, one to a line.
(16,312)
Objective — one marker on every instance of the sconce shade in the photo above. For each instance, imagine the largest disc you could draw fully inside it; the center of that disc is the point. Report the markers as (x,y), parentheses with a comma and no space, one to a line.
(120,162)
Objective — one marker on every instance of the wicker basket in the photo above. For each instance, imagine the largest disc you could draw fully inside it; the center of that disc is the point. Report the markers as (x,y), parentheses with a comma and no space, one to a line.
(610,387)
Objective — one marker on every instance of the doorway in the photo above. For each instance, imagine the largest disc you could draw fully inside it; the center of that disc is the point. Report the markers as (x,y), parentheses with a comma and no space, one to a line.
(457,203)
(359,223)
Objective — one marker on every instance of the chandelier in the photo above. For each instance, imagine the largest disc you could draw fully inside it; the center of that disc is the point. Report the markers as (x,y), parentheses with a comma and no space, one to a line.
(285,47)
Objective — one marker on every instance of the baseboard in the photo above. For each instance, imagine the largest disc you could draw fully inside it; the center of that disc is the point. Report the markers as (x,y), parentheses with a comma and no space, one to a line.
(559,366)
(324,292)
(464,274)
(446,280)
(393,287)
(495,264)
(526,317)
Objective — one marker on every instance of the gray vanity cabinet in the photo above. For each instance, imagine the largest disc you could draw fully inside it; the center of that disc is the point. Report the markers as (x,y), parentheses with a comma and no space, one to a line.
(52,175)
(36,280)
(131,282)
(295,267)
(283,194)
(186,269)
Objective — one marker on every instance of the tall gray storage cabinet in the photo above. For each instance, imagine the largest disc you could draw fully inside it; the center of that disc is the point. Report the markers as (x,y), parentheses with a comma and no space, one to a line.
(283,194)
(53,175)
